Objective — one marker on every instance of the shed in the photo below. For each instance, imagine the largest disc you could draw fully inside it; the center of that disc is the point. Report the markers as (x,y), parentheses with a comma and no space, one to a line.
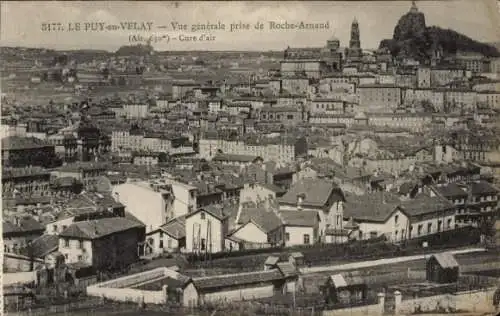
(297,258)
(271,262)
(345,288)
(442,268)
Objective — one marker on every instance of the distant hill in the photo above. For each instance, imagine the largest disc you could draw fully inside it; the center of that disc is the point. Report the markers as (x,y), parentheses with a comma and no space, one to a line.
(413,39)
(138,50)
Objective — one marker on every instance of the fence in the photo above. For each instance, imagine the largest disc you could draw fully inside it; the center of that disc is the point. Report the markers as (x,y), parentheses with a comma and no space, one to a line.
(327,254)
(50,307)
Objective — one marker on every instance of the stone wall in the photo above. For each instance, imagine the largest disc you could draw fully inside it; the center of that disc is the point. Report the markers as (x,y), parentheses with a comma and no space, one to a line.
(472,301)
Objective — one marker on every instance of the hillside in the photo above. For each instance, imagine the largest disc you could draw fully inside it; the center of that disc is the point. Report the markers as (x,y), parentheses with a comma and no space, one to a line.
(413,39)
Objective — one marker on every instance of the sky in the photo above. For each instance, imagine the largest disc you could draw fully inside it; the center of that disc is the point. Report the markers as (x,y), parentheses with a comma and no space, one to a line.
(21,22)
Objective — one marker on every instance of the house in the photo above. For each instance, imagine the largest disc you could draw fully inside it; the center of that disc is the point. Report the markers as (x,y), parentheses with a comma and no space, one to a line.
(442,268)
(18,232)
(344,288)
(105,244)
(319,195)
(253,224)
(169,237)
(298,228)
(428,215)
(206,229)
(42,246)
(244,286)
(482,203)
(166,199)
(235,159)
(458,195)
(377,214)
(86,206)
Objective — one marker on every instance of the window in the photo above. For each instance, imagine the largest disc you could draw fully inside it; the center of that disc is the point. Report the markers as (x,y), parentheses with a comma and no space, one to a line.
(161,234)
(396,218)
(64,227)
(161,244)
(448,223)
(80,244)
(440,223)
(80,258)
(202,215)
(289,116)
(306,239)
(403,234)
(66,243)
(429,228)
(396,235)
(54,228)
(419,230)
(287,236)
(203,244)
(169,243)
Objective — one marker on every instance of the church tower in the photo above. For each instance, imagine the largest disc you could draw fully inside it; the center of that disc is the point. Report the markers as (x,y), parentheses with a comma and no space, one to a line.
(354,43)
(354,51)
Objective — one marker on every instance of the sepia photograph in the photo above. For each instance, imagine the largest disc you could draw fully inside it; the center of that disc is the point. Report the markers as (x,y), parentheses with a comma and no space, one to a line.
(256,158)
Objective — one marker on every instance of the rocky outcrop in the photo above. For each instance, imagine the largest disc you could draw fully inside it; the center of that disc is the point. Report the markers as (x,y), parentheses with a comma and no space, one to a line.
(413,39)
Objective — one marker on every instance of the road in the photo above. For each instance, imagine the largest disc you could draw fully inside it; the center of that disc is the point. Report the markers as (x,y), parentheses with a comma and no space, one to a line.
(381,262)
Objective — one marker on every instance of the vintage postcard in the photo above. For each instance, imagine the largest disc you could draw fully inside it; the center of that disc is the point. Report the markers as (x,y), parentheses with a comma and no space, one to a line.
(203,158)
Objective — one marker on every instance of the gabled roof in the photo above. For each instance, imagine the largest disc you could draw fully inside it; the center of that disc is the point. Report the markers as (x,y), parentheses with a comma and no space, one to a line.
(175,228)
(219,212)
(288,269)
(43,245)
(25,225)
(300,218)
(376,207)
(450,190)
(272,260)
(266,219)
(343,280)
(445,260)
(425,204)
(316,192)
(99,228)
(482,187)
(221,281)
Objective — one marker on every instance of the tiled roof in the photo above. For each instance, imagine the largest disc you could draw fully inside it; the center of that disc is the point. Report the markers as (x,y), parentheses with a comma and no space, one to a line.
(482,187)
(345,280)
(450,190)
(299,218)
(266,219)
(446,260)
(26,225)
(288,269)
(221,281)
(17,143)
(424,204)
(99,228)
(316,191)
(43,245)
(371,207)
(175,228)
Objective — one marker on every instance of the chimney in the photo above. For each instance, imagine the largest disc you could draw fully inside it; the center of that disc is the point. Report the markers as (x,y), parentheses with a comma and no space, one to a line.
(300,200)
